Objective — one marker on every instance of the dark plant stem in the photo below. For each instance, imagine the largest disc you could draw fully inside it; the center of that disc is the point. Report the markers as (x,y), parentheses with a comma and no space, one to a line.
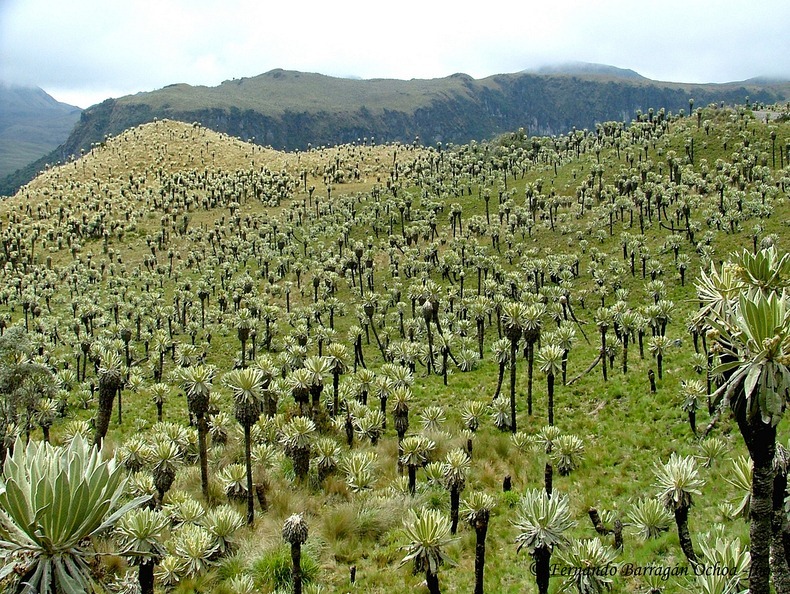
(145,576)
(296,571)
(513,354)
(202,427)
(432,581)
(248,463)
(542,569)
(481,528)
(455,499)
(681,519)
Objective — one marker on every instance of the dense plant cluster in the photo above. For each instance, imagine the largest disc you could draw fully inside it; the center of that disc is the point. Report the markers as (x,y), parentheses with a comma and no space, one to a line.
(377,341)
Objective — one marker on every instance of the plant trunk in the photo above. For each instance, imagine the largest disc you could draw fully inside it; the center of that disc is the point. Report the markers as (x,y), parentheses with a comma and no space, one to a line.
(780,572)
(455,499)
(500,377)
(296,571)
(202,427)
(107,392)
(550,386)
(530,367)
(481,528)
(381,348)
(786,541)
(301,462)
(335,395)
(513,354)
(348,425)
(618,534)
(432,581)
(260,494)
(120,406)
(595,518)
(315,398)
(431,366)
(248,463)
(145,577)
(681,519)
(760,440)
(542,569)
(383,409)
(625,353)
(401,435)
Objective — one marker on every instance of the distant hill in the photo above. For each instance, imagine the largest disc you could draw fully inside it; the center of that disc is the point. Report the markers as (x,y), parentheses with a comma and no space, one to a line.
(587,69)
(32,124)
(289,110)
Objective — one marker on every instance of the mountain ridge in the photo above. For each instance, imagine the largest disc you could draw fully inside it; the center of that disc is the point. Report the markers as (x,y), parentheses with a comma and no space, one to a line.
(32,123)
(291,110)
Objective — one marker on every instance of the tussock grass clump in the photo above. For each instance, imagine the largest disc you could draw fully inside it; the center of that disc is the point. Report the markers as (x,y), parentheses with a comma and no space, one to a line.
(271,570)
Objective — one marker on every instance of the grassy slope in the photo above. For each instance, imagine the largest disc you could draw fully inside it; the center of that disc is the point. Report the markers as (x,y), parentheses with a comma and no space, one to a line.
(278,91)
(626,430)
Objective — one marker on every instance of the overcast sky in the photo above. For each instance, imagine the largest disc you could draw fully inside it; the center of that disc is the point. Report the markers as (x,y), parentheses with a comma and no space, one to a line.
(84,51)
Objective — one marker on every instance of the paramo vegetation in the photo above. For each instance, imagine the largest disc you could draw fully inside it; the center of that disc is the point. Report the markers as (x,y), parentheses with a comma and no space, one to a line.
(394,368)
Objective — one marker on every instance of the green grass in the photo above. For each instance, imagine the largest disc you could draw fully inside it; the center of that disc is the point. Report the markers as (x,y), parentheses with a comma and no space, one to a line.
(272,570)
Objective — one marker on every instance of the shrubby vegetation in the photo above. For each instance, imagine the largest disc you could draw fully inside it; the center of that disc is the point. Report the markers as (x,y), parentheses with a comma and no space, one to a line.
(368,356)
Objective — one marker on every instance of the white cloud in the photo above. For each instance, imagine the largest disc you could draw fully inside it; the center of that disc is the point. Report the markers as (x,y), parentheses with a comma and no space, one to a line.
(93,49)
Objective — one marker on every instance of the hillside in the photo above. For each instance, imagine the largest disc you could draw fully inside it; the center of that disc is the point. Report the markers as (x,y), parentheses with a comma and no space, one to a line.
(32,124)
(289,110)
(390,329)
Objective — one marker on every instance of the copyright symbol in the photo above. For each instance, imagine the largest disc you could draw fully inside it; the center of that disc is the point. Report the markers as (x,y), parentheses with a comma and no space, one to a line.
(533,568)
